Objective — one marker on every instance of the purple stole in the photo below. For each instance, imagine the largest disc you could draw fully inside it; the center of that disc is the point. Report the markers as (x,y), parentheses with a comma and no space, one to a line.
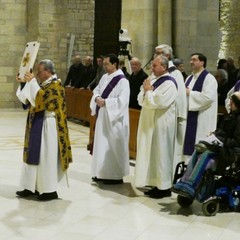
(192,118)
(162,80)
(35,138)
(237,86)
(109,88)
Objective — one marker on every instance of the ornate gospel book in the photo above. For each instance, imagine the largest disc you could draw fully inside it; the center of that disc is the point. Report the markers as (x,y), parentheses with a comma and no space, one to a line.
(29,58)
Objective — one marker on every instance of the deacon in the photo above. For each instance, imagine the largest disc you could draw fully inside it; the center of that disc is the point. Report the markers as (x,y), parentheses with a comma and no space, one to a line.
(201,90)
(110,105)
(47,151)
(156,131)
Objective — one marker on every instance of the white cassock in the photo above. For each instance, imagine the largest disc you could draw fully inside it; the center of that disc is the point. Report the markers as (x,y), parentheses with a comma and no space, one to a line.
(156,135)
(111,138)
(206,103)
(181,106)
(43,177)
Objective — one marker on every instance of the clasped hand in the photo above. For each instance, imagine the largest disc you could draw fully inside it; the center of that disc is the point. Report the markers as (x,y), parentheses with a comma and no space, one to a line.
(147,85)
(100,101)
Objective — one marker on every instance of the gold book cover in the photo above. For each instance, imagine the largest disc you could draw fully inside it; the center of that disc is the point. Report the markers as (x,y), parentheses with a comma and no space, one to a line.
(29,58)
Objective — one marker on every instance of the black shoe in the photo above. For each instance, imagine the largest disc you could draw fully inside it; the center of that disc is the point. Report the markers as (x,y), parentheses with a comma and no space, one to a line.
(160,194)
(48,196)
(95,179)
(25,193)
(151,191)
(112,181)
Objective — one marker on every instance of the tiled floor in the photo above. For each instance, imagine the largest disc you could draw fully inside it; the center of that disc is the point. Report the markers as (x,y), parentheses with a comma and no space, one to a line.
(86,211)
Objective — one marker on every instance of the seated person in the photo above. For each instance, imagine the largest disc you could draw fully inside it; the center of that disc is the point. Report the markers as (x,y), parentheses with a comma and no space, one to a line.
(235,88)
(227,136)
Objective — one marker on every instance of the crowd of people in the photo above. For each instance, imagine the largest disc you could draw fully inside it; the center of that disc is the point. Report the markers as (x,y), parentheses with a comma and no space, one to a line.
(176,112)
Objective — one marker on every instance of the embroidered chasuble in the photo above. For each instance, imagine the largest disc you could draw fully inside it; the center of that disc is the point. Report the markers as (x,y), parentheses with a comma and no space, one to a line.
(51,98)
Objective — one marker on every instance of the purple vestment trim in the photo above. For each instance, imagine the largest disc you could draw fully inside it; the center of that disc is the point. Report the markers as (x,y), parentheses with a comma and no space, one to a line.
(237,86)
(162,80)
(35,139)
(109,88)
(171,69)
(191,128)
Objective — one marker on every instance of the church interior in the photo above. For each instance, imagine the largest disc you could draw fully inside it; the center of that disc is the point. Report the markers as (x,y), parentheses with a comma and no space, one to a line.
(93,211)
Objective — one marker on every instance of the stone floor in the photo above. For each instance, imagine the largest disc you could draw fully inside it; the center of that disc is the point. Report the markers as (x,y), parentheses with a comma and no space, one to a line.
(87,211)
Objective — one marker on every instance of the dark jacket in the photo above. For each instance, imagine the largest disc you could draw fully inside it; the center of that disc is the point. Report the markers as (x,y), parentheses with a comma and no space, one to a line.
(229,131)
(135,82)
(73,74)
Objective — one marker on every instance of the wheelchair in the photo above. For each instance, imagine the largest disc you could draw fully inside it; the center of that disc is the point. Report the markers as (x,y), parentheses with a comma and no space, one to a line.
(215,188)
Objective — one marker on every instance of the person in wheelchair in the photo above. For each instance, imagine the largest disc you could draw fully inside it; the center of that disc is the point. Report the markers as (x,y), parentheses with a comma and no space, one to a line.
(213,151)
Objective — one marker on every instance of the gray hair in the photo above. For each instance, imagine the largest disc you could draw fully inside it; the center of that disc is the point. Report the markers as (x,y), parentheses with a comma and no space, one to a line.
(177,61)
(166,49)
(135,59)
(48,65)
(164,60)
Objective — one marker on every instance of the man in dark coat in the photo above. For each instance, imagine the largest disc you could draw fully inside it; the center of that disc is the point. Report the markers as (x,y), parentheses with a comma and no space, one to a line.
(136,80)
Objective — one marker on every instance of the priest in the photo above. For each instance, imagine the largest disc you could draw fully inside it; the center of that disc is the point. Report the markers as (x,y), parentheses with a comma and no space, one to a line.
(47,150)
(110,105)
(157,131)
(202,99)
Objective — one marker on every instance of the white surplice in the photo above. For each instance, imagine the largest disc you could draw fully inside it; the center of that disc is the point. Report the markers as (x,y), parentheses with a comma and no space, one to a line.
(206,103)
(156,136)
(111,138)
(181,106)
(43,177)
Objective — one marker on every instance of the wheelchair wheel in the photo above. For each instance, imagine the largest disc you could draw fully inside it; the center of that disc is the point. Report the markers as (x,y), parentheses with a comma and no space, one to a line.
(210,207)
(184,201)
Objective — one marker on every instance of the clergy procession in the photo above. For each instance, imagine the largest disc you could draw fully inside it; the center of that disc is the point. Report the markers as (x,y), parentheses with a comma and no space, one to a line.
(175,114)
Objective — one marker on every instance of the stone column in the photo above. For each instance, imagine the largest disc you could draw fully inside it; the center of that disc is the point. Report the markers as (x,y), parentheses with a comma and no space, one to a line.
(139,17)
(164,22)
(229,26)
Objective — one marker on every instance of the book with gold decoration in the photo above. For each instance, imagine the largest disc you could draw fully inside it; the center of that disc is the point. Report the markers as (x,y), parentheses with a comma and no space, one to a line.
(29,58)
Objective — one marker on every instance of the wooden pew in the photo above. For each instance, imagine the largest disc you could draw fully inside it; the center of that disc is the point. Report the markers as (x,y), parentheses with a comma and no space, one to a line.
(77,102)
(133,122)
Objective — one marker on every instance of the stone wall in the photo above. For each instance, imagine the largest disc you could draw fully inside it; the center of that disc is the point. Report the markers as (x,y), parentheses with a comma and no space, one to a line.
(50,22)
(230,28)
(188,26)
(12,41)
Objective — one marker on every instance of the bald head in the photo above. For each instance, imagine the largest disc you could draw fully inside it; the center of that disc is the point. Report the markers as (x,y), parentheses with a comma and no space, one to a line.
(88,61)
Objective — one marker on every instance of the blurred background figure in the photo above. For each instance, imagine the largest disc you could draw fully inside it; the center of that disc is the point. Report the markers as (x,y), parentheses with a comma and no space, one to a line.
(222,64)
(231,69)
(74,71)
(100,72)
(221,76)
(135,81)
(180,66)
